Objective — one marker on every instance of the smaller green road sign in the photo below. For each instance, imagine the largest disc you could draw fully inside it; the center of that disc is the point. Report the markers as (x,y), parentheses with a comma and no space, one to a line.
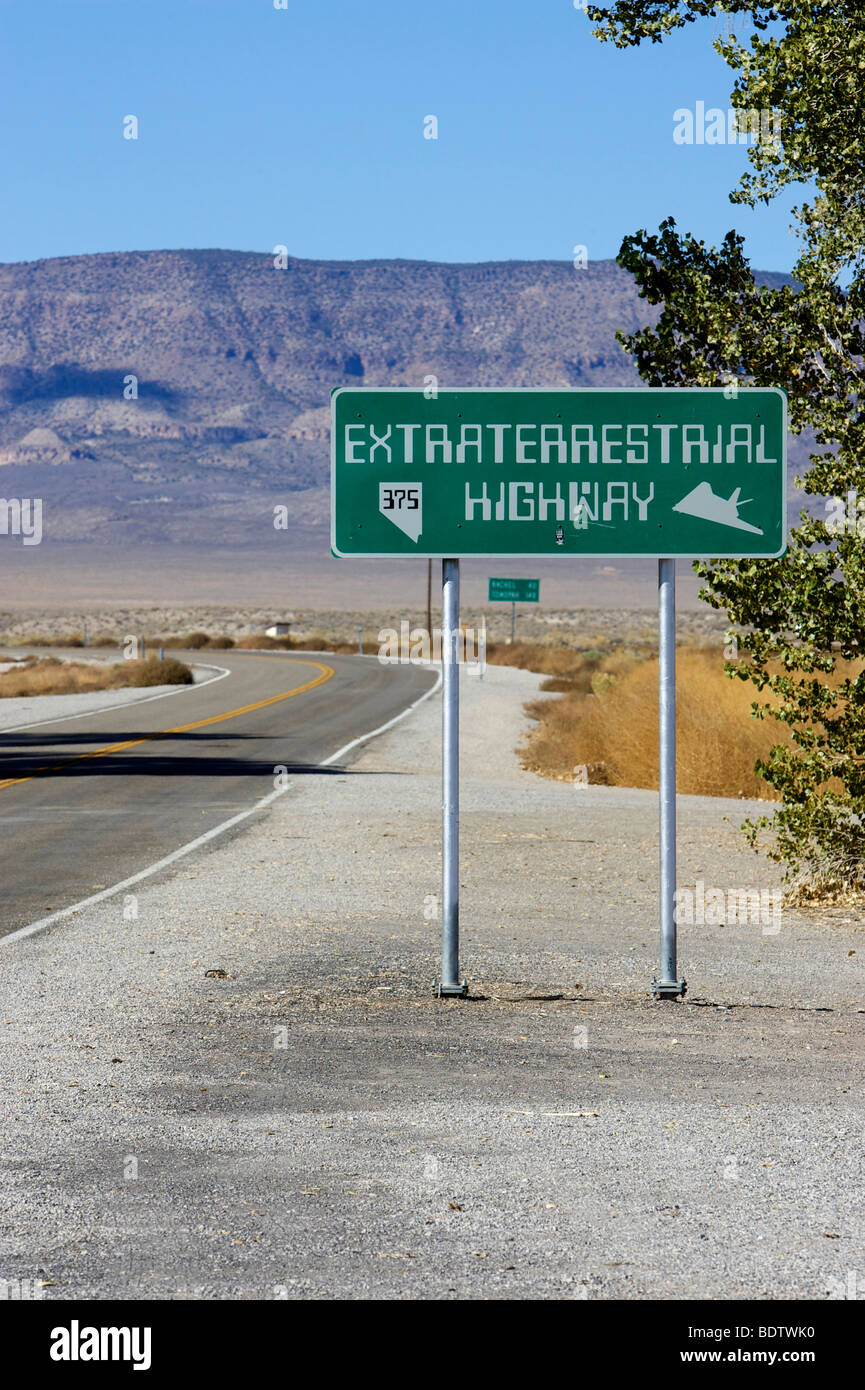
(515,590)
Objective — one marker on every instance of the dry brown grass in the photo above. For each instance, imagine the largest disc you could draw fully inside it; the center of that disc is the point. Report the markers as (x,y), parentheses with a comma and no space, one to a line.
(41,639)
(254,641)
(51,676)
(556,660)
(186,642)
(613,732)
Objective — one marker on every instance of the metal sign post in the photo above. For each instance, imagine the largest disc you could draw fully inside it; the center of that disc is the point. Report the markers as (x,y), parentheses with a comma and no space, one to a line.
(450,985)
(666,985)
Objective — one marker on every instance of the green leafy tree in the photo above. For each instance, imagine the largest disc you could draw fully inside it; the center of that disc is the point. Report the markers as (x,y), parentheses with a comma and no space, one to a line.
(799,619)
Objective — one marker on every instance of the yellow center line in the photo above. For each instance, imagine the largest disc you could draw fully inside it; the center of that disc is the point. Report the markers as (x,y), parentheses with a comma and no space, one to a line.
(326,673)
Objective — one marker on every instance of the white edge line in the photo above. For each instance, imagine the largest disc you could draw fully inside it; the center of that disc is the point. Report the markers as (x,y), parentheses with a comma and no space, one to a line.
(382,728)
(124,704)
(265,801)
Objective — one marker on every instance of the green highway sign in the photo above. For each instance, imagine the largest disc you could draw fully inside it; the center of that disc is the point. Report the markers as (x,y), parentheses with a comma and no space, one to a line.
(514,590)
(665,471)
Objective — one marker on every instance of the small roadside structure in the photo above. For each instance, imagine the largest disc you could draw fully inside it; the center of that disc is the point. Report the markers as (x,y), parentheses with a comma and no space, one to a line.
(277,630)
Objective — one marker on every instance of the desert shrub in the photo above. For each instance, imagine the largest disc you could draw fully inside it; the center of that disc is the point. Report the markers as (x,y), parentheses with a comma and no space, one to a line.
(315,642)
(155,671)
(259,641)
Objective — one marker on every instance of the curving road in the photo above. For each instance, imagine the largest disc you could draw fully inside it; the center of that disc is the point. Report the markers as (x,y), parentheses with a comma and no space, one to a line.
(86,802)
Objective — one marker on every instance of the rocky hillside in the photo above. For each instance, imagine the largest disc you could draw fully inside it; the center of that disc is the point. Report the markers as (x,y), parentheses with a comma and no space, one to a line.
(233,361)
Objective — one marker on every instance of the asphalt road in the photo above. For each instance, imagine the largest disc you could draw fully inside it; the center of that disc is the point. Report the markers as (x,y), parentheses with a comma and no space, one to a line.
(89,801)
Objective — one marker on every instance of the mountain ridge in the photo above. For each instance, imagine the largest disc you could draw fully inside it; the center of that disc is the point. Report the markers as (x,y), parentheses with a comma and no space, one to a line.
(233,356)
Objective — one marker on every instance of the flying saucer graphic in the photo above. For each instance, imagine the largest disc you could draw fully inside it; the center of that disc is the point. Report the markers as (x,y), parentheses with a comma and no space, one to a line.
(707,505)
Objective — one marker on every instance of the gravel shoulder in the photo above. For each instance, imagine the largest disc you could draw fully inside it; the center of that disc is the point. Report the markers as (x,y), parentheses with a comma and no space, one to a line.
(311,1123)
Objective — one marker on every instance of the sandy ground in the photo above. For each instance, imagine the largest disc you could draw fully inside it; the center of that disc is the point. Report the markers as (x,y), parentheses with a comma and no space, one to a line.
(312,1123)
(293,569)
(582,627)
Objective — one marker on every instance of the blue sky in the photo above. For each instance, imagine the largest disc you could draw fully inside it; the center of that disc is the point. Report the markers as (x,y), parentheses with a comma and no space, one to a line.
(304,127)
